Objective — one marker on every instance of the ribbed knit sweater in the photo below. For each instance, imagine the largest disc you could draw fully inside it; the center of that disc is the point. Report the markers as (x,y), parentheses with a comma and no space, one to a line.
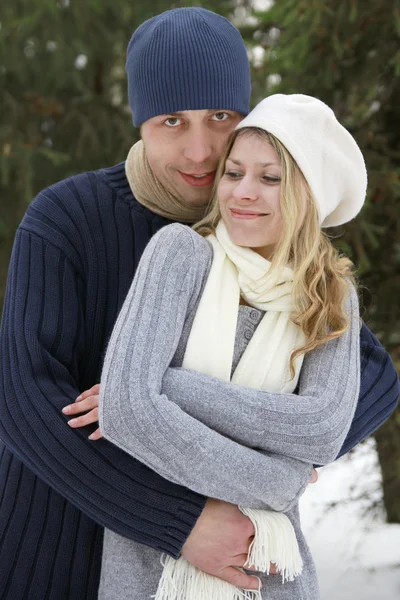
(73,261)
(137,414)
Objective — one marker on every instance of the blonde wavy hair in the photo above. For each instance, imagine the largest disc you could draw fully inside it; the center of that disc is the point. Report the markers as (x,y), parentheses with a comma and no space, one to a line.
(321,274)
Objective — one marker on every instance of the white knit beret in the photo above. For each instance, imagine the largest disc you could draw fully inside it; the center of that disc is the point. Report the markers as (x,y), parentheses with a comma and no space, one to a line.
(326,153)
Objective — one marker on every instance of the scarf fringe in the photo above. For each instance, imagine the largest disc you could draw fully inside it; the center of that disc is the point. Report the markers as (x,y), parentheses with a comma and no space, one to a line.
(183,581)
(274,542)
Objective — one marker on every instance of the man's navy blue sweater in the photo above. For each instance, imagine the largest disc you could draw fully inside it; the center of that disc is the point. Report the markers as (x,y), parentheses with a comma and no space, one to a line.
(73,261)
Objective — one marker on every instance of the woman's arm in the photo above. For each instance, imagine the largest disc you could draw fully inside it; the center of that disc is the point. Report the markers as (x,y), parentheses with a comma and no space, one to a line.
(135,415)
(310,426)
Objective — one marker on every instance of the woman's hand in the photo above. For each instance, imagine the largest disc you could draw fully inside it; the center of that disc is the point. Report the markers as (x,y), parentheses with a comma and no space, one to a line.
(87,402)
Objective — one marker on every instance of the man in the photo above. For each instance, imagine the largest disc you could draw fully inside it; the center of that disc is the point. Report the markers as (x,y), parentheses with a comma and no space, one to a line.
(74,258)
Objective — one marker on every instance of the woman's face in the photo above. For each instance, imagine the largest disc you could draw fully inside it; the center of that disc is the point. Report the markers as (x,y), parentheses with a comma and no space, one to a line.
(249,195)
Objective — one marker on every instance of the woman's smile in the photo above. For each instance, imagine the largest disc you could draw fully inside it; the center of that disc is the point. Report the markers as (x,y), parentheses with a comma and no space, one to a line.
(244,214)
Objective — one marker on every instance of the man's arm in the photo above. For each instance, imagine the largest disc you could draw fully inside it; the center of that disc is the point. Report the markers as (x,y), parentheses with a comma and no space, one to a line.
(379,391)
(41,357)
(41,345)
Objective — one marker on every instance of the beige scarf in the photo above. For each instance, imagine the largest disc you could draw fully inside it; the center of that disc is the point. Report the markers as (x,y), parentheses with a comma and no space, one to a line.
(264,365)
(150,192)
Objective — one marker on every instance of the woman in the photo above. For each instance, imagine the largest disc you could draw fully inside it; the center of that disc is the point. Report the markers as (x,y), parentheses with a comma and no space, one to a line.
(245,302)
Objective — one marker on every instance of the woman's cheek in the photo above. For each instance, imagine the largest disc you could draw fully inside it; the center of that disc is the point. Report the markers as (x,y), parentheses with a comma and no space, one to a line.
(222,199)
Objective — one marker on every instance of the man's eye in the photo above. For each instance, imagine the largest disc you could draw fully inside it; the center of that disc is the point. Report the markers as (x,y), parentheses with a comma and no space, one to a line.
(220,116)
(172,122)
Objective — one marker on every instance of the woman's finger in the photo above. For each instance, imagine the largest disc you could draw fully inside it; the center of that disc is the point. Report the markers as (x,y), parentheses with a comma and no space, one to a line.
(94,391)
(88,419)
(96,435)
(79,407)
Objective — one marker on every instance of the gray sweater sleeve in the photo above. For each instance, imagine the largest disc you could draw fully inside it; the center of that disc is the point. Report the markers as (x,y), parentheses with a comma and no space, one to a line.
(137,416)
(310,426)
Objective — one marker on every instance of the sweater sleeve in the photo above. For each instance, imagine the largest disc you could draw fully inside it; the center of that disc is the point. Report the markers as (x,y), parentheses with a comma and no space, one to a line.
(379,390)
(310,426)
(135,415)
(41,355)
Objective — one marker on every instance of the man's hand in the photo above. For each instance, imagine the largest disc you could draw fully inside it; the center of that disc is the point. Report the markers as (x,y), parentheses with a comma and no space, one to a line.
(219,543)
(88,403)
(220,540)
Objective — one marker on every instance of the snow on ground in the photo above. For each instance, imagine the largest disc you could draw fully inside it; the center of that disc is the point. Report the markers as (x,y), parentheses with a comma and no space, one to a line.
(356,553)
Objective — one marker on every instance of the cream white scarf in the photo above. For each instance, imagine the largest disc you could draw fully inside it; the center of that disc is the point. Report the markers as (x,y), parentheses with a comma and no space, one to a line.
(236,272)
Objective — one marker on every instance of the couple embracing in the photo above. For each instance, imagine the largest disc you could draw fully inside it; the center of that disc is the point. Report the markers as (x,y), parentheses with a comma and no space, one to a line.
(229,345)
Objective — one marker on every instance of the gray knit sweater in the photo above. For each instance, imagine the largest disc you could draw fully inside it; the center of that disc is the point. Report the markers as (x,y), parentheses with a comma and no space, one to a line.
(245,446)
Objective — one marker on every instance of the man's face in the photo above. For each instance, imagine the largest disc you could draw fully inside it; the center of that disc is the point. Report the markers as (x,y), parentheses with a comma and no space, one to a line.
(183,150)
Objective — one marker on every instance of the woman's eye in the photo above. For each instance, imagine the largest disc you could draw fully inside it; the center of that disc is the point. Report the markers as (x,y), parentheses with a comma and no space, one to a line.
(232,174)
(271,179)
(220,116)
(172,122)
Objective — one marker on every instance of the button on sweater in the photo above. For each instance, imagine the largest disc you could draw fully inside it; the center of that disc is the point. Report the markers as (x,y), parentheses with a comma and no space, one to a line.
(74,258)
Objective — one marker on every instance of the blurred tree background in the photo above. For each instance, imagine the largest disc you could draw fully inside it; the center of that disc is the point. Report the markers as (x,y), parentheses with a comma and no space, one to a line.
(347,53)
(64,111)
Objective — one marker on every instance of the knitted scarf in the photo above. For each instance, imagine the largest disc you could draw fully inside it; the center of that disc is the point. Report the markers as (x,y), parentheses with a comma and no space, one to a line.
(149,191)
(236,272)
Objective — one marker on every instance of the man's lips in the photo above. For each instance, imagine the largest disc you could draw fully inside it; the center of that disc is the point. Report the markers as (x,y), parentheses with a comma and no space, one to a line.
(202,179)
(243,214)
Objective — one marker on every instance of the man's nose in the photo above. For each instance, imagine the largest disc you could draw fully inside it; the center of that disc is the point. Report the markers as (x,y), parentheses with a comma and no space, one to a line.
(198,147)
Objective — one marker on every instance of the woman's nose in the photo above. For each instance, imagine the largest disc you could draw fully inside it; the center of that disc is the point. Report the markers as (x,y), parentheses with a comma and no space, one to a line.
(246,189)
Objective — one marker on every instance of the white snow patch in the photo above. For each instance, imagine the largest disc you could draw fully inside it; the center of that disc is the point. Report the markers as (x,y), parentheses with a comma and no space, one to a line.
(356,553)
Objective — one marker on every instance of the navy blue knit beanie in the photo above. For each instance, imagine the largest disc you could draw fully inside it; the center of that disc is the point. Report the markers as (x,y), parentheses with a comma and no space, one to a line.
(187,59)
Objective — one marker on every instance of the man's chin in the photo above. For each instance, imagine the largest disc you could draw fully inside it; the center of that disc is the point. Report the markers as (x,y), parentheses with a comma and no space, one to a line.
(201,198)
(197,202)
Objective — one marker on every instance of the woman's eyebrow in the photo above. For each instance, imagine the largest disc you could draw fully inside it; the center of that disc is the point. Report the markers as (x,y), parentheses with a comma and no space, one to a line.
(239,163)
